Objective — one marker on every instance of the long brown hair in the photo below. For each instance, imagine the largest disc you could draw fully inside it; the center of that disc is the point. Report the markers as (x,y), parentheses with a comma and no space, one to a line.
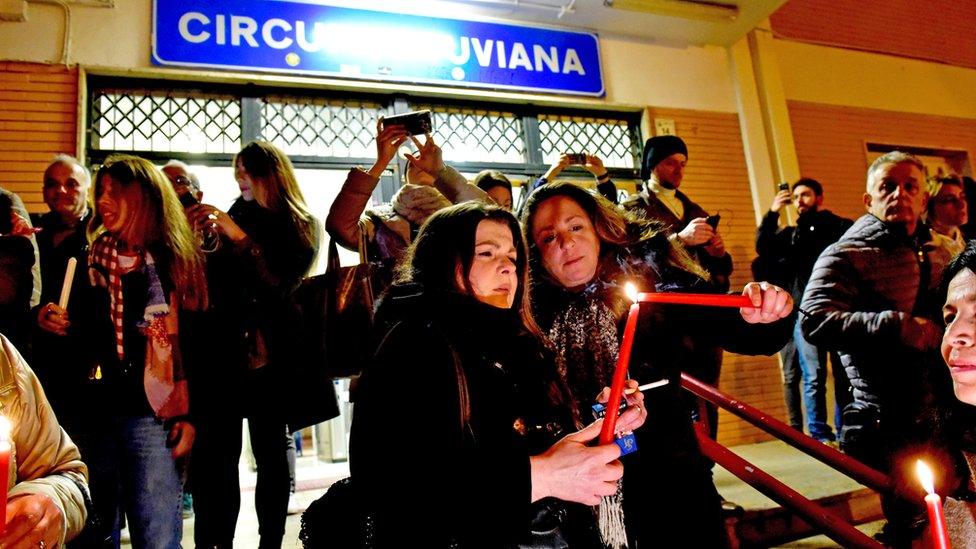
(269,167)
(154,221)
(446,242)
(615,227)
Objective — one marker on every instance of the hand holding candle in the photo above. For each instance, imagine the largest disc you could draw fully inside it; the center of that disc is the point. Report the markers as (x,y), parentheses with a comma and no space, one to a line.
(933,503)
(69,277)
(620,372)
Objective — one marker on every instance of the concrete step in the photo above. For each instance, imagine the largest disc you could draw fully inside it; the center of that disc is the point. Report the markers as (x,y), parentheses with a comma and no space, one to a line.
(765,523)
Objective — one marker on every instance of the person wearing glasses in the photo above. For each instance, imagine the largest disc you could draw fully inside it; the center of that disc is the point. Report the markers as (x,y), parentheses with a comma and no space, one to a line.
(873,296)
(947,212)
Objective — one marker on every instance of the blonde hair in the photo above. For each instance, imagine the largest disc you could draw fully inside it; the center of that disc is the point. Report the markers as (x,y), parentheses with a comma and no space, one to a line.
(155,221)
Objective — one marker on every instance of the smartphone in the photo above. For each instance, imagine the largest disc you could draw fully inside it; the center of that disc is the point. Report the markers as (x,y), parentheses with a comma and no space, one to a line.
(784,186)
(188,200)
(576,159)
(713,220)
(416,123)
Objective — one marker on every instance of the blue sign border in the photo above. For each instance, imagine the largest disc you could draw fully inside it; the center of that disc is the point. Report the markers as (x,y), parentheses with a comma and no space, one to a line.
(157,59)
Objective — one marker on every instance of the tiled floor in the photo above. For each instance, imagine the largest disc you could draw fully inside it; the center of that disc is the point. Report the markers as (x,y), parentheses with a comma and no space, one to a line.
(313,478)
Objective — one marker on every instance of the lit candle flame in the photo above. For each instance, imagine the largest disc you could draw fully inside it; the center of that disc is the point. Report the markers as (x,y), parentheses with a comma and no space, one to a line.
(631,291)
(925,476)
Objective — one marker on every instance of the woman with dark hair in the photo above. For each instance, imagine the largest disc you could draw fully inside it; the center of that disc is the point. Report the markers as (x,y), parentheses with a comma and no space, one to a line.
(146,269)
(497,185)
(581,252)
(958,418)
(272,240)
(460,354)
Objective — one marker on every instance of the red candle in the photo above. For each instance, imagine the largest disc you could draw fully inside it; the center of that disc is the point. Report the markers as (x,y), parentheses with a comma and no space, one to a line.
(620,372)
(709,300)
(4,469)
(933,503)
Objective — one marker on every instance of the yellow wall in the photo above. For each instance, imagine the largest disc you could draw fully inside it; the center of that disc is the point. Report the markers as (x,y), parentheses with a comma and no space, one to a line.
(834,76)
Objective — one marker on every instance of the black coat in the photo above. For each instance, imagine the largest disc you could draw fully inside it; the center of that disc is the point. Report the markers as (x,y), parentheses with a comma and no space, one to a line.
(66,364)
(433,473)
(792,251)
(669,498)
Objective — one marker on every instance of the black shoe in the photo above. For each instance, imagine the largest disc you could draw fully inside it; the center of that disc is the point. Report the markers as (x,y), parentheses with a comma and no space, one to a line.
(731,509)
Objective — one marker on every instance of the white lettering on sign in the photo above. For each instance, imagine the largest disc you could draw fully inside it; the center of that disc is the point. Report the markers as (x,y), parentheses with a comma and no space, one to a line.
(269,39)
(312,37)
(520,58)
(572,63)
(244,27)
(550,59)
(300,35)
(184,26)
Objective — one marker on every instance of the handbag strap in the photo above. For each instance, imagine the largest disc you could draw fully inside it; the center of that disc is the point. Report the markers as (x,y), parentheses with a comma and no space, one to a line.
(333,264)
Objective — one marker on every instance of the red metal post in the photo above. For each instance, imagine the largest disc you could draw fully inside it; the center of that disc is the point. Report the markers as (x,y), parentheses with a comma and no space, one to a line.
(872,478)
(831,525)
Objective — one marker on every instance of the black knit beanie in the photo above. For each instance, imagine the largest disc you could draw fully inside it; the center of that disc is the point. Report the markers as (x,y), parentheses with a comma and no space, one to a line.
(657,149)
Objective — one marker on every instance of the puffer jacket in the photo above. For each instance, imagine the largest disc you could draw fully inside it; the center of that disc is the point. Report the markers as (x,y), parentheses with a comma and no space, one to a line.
(43,458)
(864,291)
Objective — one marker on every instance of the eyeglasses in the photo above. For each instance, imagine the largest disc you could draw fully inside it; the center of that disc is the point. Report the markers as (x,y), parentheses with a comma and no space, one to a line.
(181,180)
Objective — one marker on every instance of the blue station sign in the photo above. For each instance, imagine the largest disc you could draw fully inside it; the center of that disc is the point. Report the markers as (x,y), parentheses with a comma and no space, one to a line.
(291,36)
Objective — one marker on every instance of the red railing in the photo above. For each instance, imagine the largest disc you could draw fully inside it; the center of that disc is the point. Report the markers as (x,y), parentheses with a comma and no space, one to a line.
(831,525)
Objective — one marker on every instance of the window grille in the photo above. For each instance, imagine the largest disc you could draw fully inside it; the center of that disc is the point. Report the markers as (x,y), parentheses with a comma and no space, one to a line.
(468,134)
(321,127)
(165,121)
(615,141)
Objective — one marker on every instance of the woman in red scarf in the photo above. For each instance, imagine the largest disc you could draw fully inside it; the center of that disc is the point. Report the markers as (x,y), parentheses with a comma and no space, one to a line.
(143,255)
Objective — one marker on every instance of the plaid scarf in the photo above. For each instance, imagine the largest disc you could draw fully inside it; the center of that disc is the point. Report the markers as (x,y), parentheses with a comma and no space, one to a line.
(164,380)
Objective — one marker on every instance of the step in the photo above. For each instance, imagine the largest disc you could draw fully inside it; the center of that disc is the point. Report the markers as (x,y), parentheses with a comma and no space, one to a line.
(765,523)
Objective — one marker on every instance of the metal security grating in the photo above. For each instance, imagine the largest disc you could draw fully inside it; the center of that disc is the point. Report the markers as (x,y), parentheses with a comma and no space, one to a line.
(467,134)
(165,121)
(615,141)
(321,127)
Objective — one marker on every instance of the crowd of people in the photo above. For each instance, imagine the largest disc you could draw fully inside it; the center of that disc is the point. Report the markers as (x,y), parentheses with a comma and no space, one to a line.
(498,328)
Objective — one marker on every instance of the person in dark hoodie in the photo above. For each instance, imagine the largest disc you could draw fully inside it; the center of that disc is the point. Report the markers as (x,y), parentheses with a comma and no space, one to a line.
(466,397)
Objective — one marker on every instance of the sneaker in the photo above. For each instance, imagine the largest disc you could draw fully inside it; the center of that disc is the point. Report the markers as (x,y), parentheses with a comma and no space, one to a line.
(187,505)
(294,507)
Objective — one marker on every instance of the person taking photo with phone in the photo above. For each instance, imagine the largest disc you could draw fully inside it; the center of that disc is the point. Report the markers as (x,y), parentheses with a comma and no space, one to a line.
(791,252)
(663,171)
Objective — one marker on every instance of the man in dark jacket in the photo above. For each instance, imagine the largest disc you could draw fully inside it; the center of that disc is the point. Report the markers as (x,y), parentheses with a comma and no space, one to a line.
(663,170)
(793,251)
(61,357)
(872,296)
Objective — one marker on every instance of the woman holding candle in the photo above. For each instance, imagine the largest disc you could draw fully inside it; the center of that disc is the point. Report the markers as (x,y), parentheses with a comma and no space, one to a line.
(146,270)
(959,418)
(485,405)
(581,252)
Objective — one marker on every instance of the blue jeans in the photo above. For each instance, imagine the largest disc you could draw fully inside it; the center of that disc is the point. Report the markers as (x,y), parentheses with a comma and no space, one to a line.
(791,385)
(813,365)
(132,471)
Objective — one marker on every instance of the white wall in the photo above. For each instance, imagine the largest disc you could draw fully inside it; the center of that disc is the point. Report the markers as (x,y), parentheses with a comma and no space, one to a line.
(821,74)
(636,74)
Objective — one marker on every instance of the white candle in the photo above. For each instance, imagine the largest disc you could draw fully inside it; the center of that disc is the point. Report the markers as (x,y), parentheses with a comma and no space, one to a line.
(69,277)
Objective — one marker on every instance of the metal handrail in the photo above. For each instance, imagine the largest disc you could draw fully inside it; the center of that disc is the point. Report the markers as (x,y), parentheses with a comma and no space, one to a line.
(829,523)
(832,526)
(870,477)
